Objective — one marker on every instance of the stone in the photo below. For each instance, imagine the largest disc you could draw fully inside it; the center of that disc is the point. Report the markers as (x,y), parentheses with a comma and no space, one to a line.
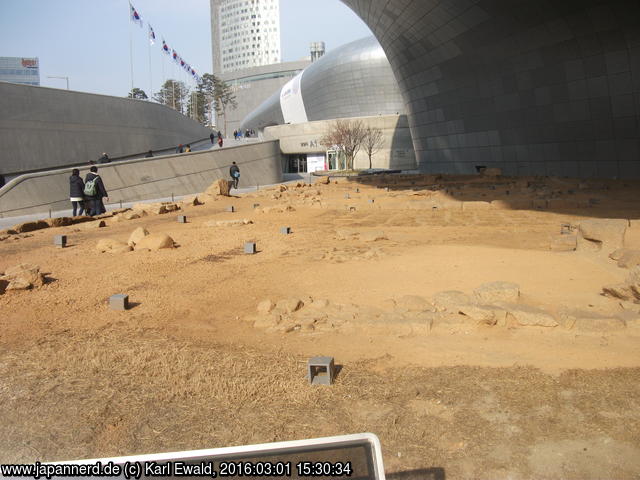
(220,187)
(109,245)
(563,243)
(182,219)
(285,230)
(23,276)
(602,234)
(268,321)
(100,224)
(191,201)
(629,259)
(228,223)
(482,313)
(289,305)
(131,215)
(527,316)
(150,208)
(119,301)
(283,188)
(250,248)
(620,290)
(372,236)
(60,241)
(495,292)
(412,303)
(155,241)
(324,180)
(265,306)
(137,235)
(451,300)
(590,322)
(30,226)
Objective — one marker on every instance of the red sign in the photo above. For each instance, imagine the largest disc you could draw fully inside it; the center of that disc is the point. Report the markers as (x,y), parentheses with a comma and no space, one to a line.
(30,62)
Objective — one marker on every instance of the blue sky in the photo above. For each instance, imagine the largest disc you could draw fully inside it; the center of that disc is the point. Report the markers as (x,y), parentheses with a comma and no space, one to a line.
(88,40)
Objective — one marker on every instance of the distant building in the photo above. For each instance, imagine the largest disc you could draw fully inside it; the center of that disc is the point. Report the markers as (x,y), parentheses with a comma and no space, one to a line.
(244,34)
(317,50)
(20,70)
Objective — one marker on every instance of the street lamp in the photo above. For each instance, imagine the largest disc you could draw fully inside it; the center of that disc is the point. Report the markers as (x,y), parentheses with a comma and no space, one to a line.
(62,78)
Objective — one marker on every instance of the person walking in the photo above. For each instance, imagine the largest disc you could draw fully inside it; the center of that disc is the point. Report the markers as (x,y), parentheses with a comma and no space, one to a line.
(211,137)
(76,192)
(149,154)
(234,171)
(95,192)
(187,148)
(179,149)
(220,142)
(104,158)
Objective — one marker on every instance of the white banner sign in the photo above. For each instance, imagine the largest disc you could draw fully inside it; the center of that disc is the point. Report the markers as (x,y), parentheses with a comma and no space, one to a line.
(291,101)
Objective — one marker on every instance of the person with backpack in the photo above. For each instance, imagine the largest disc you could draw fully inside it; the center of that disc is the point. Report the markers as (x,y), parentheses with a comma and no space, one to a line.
(234,171)
(95,192)
(187,148)
(76,192)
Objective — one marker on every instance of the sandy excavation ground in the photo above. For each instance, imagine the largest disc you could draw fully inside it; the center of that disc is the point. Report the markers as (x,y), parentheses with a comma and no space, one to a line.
(213,352)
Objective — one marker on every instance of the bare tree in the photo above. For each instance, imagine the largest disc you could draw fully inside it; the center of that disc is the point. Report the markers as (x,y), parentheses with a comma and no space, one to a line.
(373,142)
(348,134)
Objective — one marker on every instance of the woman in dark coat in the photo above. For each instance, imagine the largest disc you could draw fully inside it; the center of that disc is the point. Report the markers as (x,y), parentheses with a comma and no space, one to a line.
(76,192)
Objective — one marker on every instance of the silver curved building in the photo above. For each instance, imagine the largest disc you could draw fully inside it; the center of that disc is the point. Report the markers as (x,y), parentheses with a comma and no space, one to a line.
(351,81)
(535,87)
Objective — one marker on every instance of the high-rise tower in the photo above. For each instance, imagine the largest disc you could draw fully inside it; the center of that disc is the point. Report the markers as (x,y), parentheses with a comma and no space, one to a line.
(244,34)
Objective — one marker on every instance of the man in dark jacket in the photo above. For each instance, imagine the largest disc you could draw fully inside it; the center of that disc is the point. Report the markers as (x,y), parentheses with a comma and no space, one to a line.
(234,171)
(104,158)
(97,193)
(211,137)
(76,192)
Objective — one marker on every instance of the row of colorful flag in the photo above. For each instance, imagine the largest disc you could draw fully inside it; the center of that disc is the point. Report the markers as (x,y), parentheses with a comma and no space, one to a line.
(136,18)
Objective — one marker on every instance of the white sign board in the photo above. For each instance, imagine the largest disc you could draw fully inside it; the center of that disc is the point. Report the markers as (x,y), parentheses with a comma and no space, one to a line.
(291,101)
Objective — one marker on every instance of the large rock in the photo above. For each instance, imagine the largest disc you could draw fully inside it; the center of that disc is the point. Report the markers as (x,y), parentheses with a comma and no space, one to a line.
(451,300)
(137,235)
(483,314)
(265,307)
(289,305)
(627,291)
(564,243)
(155,241)
(602,234)
(528,316)
(191,201)
(23,276)
(220,187)
(156,208)
(496,292)
(110,245)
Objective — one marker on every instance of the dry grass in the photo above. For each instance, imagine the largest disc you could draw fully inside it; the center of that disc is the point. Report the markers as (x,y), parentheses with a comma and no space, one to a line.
(126,390)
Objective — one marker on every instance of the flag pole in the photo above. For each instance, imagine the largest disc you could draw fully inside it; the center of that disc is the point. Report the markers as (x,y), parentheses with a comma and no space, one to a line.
(130,46)
(150,74)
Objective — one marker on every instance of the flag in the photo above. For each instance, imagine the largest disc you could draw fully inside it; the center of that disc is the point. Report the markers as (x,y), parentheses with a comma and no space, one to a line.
(165,47)
(152,35)
(175,56)
(135,17)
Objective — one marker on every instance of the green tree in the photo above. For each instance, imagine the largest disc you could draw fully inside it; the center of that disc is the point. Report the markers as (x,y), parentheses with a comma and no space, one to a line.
(138,93)
(173,94)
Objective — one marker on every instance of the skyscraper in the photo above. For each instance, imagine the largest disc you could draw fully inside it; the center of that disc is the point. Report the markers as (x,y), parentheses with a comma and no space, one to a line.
(244,34)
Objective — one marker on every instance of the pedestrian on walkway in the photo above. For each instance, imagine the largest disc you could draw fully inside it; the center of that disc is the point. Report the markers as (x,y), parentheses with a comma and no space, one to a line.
(95,192)
(76,192)
(149,154)
(234,171)
(220,142)
(179,149)
(211,137)
(188,148)
(104,158)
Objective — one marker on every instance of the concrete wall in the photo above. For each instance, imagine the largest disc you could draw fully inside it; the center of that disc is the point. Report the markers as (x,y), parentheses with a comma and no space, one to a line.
(45,128)
(396,153)
(158,177)
(534,87)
